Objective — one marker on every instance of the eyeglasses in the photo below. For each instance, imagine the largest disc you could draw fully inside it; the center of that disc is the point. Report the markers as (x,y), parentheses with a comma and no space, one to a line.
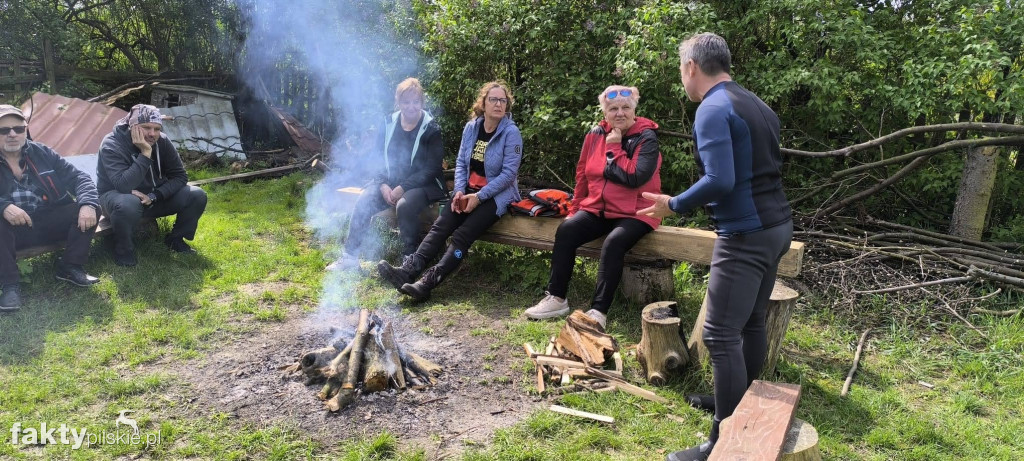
(17,129)
(616,93)
(502,101)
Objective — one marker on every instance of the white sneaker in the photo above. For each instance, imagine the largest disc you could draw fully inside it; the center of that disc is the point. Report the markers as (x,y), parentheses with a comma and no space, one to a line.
(598,316)
(344,263)
(550,306)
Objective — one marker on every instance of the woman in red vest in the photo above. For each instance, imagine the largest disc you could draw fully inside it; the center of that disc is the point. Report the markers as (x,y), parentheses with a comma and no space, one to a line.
(620,161)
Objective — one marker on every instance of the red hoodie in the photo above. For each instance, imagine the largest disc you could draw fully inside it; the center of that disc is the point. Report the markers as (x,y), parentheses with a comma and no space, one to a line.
(614,191)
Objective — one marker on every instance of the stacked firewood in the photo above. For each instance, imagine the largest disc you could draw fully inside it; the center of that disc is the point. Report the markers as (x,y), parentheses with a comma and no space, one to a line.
(577,360)
(370,362)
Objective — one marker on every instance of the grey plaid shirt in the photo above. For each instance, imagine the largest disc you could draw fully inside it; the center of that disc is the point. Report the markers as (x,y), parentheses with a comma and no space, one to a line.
(25,194)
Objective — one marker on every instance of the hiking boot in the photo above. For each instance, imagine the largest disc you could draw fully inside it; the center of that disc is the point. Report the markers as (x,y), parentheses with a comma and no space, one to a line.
(178,245)
(10,300)
(420,290)
(346,262)
(598,316)
(698,453)
(73,273)
(125,257)
(398,276)
(550,306)
(704,402)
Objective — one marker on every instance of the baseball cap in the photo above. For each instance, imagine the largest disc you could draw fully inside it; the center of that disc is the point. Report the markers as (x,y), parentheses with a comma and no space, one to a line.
(6,109)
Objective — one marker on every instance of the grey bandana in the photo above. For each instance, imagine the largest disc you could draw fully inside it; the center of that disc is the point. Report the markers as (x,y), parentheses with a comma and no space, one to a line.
(142,113)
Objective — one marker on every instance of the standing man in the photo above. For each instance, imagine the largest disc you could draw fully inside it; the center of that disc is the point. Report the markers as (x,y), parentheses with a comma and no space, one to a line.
(737,138)
(44,199)
(140,174)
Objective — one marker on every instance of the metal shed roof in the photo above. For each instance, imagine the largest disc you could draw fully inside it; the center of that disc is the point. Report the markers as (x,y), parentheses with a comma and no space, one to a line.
(70,126)
(204,127)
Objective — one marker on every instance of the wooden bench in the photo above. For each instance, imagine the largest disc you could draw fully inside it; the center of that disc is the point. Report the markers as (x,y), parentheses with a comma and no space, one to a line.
(102,228)
(646,277)
(760,428)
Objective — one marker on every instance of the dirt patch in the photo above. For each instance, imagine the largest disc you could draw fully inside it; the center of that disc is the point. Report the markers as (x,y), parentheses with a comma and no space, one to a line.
(475,396)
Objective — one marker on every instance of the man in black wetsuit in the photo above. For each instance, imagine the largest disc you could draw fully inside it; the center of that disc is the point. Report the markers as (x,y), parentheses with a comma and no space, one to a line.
(737,138)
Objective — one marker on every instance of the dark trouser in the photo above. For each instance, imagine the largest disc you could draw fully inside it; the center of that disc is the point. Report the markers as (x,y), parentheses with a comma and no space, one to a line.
(125,210)
(743,269)
(49,225)
(464,229)
(408,210)
(584,227)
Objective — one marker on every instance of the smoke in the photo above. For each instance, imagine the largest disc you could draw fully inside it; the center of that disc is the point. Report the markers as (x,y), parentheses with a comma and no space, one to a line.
(354,53)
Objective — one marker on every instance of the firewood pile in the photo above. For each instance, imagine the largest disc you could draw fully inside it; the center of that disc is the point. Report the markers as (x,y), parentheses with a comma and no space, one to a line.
(582,358)
(371,361)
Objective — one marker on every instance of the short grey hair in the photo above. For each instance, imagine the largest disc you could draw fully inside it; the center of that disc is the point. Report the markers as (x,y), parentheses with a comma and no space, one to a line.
(708,51)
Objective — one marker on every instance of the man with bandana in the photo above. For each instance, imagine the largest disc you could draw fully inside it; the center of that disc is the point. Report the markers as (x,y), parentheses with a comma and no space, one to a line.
(44,199)
(141,175)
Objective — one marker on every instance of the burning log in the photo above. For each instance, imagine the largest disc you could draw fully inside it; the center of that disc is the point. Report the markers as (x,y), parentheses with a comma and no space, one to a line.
(371,362)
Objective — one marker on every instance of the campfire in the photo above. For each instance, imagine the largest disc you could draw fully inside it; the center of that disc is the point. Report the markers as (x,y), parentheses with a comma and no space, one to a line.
(371,361)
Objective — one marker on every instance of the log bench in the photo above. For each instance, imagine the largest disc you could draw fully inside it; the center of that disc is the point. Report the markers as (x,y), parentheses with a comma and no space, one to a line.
(647,276)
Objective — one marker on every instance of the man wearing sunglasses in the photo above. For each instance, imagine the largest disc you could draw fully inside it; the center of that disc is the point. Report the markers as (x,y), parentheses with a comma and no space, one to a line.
(44,199)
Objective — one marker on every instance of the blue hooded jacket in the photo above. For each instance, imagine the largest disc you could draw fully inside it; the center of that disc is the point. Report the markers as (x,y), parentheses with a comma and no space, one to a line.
(501,162)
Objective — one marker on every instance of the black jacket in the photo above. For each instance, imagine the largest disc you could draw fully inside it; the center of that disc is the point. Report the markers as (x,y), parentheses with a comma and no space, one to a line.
(412,170)
(60,181)
(122,167)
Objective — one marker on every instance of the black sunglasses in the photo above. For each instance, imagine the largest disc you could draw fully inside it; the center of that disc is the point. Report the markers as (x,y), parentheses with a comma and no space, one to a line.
(17,129)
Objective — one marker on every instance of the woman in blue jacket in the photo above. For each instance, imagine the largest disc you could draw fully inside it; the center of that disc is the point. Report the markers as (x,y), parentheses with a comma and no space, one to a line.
(486,173)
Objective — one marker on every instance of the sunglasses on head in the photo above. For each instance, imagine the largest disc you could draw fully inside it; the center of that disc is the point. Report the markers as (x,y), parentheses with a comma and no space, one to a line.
(616,93)
(17,129)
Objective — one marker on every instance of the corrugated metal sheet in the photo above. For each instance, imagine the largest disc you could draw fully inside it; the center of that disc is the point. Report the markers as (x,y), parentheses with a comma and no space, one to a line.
(70,126)
(206,127)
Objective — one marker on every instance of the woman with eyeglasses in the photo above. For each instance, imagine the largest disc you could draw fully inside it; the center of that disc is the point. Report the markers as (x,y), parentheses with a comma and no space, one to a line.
(411,177)
(620,160)
(486,172)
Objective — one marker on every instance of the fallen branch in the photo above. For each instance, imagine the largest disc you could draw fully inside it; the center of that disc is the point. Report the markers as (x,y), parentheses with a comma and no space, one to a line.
(947,146)
(916,285)
(582,414)
(856,361)
(625,386)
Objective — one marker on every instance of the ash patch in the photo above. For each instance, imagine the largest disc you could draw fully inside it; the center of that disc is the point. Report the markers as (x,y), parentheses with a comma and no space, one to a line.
(469,402)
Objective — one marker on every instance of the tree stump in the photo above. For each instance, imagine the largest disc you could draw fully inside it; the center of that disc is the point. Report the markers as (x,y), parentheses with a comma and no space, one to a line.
(661,349)
(647,282)
(801,441)
(780,310)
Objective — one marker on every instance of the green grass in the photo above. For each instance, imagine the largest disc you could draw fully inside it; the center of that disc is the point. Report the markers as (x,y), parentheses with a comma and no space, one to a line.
(78,356)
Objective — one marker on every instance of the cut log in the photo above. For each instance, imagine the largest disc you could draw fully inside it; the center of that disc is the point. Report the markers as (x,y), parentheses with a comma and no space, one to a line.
(540,368)
(582,414)
(780,311)
(758,427)
(394,359)
(644,283)
(376,375)
(335,372)
(583,337)
(626,387)
(421,367)
(355,358)
(661,349)
(315,362)
(801,442)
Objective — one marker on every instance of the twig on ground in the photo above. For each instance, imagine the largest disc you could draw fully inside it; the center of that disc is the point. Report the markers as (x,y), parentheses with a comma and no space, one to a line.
(856,361)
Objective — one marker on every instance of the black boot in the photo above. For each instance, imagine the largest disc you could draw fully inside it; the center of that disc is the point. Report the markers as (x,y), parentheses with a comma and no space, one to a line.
(420,290)
(705,402)
(700,452)
(411,267)
(10,300)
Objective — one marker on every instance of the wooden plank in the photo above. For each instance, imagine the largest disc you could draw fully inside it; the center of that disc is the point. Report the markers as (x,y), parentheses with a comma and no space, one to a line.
(666,242)
(582,414)
(251,174)
(757,429)
(103,228)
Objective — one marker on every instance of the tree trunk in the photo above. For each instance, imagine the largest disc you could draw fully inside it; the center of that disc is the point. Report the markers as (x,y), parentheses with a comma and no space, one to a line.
(975,194)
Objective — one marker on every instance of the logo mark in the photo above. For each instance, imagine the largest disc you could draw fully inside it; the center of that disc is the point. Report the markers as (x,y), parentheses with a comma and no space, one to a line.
(124,419)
